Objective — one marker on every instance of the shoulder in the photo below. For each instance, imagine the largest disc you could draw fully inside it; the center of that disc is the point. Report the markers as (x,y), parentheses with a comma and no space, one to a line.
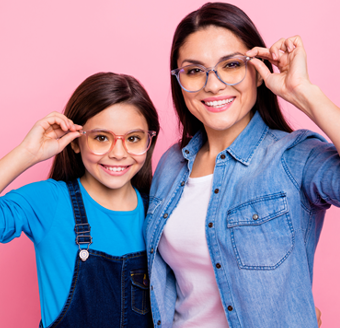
(301,141)
(168,169)
(47,191)
(169,165)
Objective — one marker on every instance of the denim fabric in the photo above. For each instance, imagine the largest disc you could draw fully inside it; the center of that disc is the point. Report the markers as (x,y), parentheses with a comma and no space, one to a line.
(268,200)
(106,291)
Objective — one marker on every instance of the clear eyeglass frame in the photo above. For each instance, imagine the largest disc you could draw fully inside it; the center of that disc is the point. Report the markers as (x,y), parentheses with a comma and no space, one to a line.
(86,133)
(207,70)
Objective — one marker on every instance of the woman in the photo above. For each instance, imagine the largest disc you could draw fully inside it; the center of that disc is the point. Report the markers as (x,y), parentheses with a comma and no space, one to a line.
(237,208)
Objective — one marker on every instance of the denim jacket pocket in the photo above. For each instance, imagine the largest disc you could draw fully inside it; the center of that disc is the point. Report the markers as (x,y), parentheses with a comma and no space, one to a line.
(261,231)
(140,298)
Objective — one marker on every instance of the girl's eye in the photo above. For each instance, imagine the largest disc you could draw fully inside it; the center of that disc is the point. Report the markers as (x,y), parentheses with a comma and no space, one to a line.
(101,138)
(133,139)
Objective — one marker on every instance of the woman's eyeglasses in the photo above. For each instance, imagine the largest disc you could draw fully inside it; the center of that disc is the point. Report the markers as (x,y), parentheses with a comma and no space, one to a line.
(101,142)
(230,71)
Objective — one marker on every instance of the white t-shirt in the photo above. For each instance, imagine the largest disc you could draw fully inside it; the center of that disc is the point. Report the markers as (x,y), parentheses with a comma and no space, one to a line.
(184,248)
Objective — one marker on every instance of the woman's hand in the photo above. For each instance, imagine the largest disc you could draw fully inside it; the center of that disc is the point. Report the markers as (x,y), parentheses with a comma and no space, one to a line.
(49,136)
(318,316)
(289,56)
(292,84)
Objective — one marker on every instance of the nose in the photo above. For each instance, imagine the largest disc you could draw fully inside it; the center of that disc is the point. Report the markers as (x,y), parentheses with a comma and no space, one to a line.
(214,84)
(118,151)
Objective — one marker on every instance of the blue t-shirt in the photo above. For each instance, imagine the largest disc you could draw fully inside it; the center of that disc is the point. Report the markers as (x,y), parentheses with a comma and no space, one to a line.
(43,210)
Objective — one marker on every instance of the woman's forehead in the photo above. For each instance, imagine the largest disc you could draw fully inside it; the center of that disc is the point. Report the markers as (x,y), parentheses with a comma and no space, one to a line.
(210,44)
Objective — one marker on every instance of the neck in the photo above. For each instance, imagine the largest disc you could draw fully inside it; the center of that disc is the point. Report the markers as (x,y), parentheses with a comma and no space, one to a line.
(218,140)
(121,199)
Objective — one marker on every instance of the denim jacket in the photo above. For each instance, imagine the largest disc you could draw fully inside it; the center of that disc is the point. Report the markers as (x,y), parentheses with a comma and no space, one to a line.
(266,209)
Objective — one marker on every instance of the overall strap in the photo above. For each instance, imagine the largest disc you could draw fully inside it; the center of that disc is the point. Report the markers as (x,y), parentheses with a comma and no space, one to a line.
(82,227)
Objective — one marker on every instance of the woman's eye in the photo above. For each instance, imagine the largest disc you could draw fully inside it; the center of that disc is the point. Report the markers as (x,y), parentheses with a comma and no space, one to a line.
(193,71)
(234,64)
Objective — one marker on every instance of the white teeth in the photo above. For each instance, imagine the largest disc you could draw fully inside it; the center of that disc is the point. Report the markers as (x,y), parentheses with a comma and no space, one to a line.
(219,103)
(115,169)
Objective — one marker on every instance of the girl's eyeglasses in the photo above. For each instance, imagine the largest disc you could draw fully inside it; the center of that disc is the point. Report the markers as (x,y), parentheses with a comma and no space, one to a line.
(194,77)
(101,142)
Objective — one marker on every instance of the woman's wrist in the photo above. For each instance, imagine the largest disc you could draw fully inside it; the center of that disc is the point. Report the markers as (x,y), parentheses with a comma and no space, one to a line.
(308,97)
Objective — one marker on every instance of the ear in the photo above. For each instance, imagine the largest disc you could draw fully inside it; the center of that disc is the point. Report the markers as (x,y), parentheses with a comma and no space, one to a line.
(75,146)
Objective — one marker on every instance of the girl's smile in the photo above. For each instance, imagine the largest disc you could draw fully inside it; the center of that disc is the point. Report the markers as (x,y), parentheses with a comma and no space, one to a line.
(115,170)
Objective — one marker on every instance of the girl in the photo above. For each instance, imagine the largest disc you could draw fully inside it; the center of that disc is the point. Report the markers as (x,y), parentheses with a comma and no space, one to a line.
(237,206)
(86,220)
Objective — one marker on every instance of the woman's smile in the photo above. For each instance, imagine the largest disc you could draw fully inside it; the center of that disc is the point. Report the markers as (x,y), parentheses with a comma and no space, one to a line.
(218,104)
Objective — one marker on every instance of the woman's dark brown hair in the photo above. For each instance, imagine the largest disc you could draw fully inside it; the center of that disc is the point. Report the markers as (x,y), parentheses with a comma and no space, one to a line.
(95,94)
(235,20)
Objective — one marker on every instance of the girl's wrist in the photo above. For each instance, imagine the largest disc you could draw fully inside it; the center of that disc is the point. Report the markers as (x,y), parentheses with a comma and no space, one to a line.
(24,157)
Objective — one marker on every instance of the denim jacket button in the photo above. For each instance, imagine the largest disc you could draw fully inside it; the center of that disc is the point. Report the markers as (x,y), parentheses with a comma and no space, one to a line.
(210,224)
(255,217)
(222,156)
(218,266)
(230,308)
(187,151)
(151,250)
(182,183)
(165,215)
(159,322)
(216,191)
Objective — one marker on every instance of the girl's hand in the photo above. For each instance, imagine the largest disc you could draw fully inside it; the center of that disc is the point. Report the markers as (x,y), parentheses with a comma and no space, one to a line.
(289,56)
(49,136)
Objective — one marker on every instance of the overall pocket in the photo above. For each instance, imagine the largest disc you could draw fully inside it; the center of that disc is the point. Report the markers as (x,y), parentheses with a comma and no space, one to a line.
(140,298)
(261,232)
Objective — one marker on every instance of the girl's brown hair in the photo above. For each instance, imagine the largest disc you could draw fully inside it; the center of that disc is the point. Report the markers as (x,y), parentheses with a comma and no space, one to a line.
(95,94)
(235,20)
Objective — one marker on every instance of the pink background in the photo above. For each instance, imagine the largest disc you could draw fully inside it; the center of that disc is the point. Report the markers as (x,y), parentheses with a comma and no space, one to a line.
(49,47)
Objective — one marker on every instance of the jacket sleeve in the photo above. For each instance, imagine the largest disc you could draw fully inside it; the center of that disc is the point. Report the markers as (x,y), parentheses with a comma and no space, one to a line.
(315,168)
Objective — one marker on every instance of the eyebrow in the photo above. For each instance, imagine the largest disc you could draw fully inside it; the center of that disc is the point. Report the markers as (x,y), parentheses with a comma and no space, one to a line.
(197,62)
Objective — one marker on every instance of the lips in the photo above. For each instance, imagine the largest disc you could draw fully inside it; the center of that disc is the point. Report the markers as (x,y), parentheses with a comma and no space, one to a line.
(218,104)
(116,169)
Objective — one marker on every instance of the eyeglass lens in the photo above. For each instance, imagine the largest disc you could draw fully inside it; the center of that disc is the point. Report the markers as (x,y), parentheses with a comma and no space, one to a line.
(100,142)
(230,71)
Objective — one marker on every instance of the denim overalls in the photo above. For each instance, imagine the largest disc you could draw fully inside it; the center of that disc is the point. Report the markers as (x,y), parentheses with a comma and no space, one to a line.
(106,291)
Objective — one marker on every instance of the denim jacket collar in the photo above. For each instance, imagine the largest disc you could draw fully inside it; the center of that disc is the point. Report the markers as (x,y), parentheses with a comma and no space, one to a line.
(242,149)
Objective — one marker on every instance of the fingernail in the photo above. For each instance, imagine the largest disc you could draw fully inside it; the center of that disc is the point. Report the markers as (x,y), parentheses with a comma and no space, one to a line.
(274,55)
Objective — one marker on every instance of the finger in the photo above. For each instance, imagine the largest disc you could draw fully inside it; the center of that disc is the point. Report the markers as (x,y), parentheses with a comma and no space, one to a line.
(276,47)
(262,53)
(261,68)
(75,127)
(67,121)
(289,45)
(296,40)
(67,138)
(54,120)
